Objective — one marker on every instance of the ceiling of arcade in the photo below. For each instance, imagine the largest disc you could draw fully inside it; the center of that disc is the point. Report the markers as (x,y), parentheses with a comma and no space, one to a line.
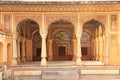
(61,25)
(91,25)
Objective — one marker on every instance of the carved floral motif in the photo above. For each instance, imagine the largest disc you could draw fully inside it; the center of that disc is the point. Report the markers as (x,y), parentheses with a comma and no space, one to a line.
(7,23)
(114,39)
(114,23)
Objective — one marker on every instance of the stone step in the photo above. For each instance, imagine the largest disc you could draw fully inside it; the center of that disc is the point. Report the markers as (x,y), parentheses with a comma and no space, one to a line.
(27,73)
(60,75)
(99,77)
(33,77)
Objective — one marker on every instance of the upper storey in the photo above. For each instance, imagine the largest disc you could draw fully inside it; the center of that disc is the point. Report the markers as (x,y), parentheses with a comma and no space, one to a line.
(59,6)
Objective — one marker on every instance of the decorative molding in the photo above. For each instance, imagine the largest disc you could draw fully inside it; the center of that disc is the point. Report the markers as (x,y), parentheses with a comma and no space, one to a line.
(7,23)
(19,17)
(114,39)
(60,7)
(114,24)
(87,17)
(50,18)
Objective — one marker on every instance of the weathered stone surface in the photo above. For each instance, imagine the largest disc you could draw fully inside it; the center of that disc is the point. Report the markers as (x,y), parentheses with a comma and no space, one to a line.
(60,75)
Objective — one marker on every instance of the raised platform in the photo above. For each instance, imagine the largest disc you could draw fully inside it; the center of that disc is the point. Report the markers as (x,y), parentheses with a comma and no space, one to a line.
(66,70)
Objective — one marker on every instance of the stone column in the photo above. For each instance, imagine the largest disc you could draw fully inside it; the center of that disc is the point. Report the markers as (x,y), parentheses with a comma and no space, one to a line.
(79,55)
(50,52)
(100,48)
(94,49)
(14,62)
(107,49)
(97,45)
(23,51)
(43,50)
(100,44)
(18,51)
(4,56)
(74,49)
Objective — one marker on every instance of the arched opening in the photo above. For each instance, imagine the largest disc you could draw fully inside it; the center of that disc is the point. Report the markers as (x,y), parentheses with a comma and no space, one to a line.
(9,55)
(1,53)
(86,46)
(62,48)
(93,40)
(28,41)
(36,43)
(60,41)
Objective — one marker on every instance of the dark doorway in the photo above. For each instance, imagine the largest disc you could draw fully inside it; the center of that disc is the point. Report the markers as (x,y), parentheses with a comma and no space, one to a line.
(38,52)
(37,57)
(61,50)
(84,50)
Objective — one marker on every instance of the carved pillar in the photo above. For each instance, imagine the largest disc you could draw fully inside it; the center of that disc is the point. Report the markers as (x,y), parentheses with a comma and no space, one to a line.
(23,51)
(74,49)
(50,52)
(100,44)
(43,51)
(14,62)
(28,50)
(4,50)
(18,51)
(94,49)
(107,49)
(97,45)
(100,48)
(79,54)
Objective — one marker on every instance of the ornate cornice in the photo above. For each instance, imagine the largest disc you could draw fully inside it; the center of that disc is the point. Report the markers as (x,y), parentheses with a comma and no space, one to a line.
(60,7)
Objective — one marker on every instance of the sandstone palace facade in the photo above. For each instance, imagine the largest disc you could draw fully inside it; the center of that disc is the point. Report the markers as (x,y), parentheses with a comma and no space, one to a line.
(55,31)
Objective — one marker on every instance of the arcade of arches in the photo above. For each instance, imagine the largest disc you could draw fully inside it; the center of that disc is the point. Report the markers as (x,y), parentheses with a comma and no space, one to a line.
(27,36)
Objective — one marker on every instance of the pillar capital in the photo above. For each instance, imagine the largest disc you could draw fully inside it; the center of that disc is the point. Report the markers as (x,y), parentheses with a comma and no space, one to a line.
(78,35)
(43,35)
(50,40)
(74,40)
(14,36)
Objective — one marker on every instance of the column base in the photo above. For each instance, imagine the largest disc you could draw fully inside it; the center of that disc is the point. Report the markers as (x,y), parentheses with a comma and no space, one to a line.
(50,58)
(14,62)
(106,60)
(100,59)
(97,58)
(78,62)
(23,60)
(43,62)
(93,58)
(74,58)
(18,59)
